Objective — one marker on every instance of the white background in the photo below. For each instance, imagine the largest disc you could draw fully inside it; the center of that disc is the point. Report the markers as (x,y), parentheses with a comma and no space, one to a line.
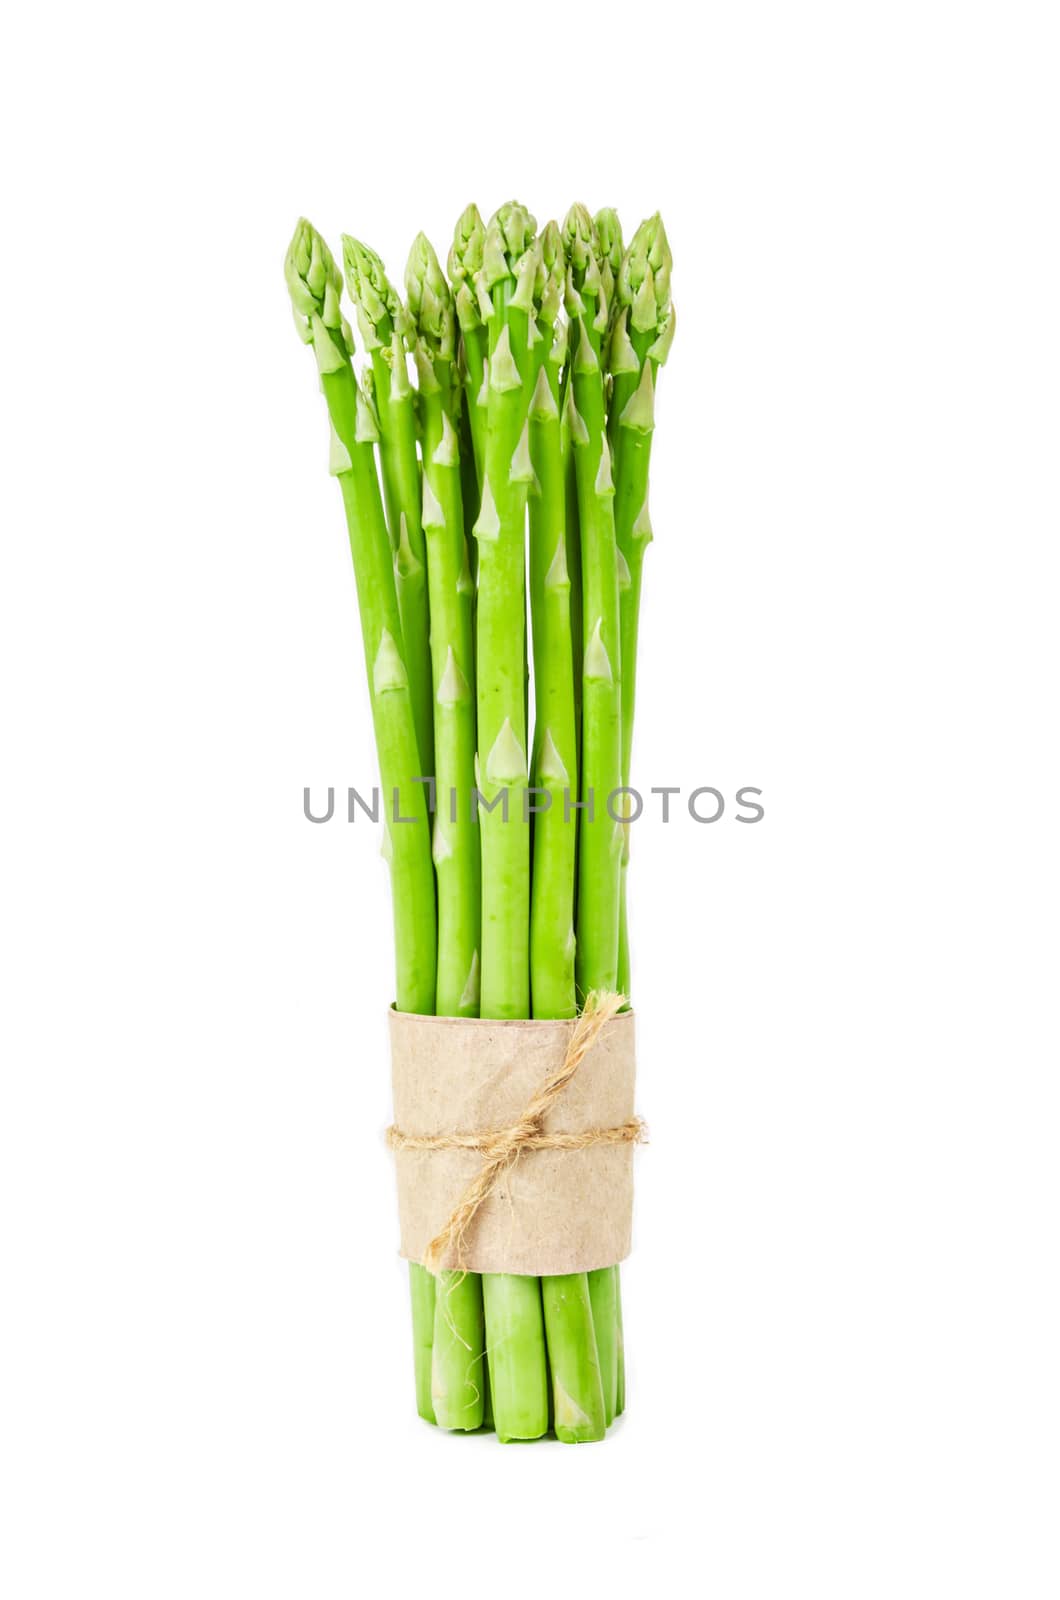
(842,1311)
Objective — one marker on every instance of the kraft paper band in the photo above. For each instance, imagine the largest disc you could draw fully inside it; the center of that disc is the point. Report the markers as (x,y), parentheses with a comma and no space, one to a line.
(513,1141)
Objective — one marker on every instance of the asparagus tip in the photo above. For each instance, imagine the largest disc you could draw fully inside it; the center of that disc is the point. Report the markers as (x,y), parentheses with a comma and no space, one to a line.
(379,311)
(315,286)
(643,281)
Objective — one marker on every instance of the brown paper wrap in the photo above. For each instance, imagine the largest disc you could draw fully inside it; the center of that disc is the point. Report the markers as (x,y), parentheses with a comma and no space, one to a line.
(553,1211)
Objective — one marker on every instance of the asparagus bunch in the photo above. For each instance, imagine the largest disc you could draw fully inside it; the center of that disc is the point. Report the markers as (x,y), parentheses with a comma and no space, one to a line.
(536,365)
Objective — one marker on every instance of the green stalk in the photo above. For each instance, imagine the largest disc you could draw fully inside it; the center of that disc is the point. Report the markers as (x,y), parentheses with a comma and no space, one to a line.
(574,548)
(501,621)
(608,231)
(382,322)
(315,287)
(620,1399)
(641,335)
(469,492)
(465,263)
(422,1296)
(577,1392)
(555,735)
(600,843)
(456,841)
(515,1341)
(579,1409)
(642,329)
(603,1291)
(574,564)
(457,1382)
(555,760)
(514,1328)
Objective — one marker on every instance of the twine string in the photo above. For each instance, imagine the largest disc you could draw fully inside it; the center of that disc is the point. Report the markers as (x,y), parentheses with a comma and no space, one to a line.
(501,1148)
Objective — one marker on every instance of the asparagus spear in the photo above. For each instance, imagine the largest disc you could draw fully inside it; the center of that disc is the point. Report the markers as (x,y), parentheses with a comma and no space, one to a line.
(555,762)
(609,254)
(641,335)
(642,330)
(457,1379)
(572,532)
(382,322)
(315,287)
(577,1391)
(514,1326)
(508,278)
(600,842)
(456,843)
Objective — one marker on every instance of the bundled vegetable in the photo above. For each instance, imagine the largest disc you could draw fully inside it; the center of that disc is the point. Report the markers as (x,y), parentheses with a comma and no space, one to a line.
(536,363)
